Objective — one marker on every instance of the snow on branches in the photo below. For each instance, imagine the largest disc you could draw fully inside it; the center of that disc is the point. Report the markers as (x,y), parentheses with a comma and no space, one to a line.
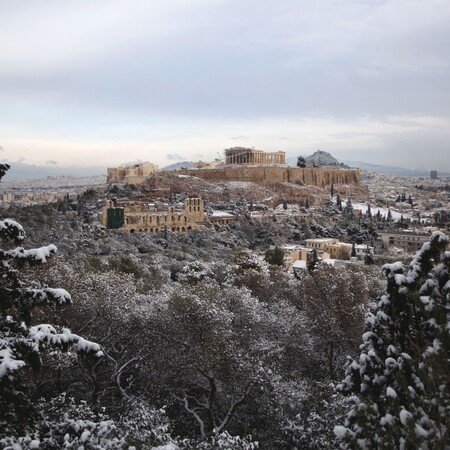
(401,375)
(21,342)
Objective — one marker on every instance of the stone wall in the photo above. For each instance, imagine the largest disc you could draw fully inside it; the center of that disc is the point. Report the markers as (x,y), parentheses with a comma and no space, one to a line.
(134,174)
(140,216)
(315,176)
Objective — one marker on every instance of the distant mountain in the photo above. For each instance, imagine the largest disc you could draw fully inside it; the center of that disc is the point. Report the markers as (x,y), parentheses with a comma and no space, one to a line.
(180,165)
(321,158)
(22,171)
(400,171)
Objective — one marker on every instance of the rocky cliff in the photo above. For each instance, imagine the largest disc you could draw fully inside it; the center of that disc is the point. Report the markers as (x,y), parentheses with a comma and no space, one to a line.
(314,176)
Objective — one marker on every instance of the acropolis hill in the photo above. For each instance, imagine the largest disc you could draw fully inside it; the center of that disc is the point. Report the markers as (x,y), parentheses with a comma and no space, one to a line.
(314,176)
(246,164)
(243,164)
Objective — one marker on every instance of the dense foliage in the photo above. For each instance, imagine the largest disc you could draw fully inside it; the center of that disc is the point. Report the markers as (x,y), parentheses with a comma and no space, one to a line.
(401,376)
(204,343)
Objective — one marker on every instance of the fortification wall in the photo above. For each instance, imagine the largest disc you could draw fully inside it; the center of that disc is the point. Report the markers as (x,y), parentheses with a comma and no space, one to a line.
(315,176)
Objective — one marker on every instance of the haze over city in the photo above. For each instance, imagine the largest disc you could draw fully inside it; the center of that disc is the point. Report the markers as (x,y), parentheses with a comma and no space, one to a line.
(87,84)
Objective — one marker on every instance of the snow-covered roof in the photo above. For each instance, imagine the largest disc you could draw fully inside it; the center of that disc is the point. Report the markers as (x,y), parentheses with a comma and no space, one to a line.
(221,214)
(299,264)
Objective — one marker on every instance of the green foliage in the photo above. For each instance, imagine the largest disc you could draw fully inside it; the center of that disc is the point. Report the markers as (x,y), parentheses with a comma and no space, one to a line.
(275,257)
(313,261)
(62,422)
(301,162)
(402,373)
(21,341)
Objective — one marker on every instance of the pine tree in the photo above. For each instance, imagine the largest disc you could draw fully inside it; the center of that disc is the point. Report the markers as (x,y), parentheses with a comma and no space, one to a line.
(312,260)
(275,257)
(301,162)
(20,341)
(401,375)
(349,208)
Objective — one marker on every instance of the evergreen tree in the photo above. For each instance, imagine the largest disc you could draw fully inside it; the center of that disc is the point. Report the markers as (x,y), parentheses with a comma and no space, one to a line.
(353,252)
(275,257)
(20,341)
(402,373)
(312,260)
(301,162)
(349,208)
(369,211)
(3,169)
(389,216)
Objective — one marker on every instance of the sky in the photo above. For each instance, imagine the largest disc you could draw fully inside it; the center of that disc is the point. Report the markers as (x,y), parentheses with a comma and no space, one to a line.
(103,83)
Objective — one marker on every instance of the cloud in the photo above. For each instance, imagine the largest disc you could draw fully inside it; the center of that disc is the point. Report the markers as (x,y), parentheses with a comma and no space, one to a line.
(51,162)
(174,157)
(142,81)
(21,159)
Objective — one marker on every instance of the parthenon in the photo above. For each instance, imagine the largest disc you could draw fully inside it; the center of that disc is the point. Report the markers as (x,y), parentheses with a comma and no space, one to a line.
(242,155)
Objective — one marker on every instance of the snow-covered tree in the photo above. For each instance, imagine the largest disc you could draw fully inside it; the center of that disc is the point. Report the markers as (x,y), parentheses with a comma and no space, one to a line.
(62,423)
(402,373)
(21,340)
(334,301)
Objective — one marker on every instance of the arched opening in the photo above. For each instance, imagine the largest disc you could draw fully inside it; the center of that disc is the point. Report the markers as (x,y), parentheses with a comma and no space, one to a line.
(132,230)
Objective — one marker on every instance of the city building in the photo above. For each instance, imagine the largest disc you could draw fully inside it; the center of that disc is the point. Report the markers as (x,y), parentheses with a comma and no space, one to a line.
(433,175)
(409,240)
(336,249)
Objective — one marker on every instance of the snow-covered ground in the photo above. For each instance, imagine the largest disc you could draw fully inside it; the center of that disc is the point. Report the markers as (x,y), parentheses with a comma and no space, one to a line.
(396,215)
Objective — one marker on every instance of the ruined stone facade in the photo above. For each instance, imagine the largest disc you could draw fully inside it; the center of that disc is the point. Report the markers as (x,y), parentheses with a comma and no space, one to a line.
(134,174)
(250,156)
(314,176)
(149,218)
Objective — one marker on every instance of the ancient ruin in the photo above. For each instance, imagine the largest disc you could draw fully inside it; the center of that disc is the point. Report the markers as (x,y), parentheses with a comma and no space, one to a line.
(134,174)
(313,176)
(250,156)
(152,217)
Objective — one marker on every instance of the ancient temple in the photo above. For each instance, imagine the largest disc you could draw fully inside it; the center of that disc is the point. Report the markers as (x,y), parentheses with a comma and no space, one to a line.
(242,155)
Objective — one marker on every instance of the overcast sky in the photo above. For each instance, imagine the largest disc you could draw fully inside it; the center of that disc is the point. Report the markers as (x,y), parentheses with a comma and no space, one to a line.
(100,83)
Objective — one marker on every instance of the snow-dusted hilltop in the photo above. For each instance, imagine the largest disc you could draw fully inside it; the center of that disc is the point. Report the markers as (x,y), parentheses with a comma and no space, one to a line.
(321,158)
